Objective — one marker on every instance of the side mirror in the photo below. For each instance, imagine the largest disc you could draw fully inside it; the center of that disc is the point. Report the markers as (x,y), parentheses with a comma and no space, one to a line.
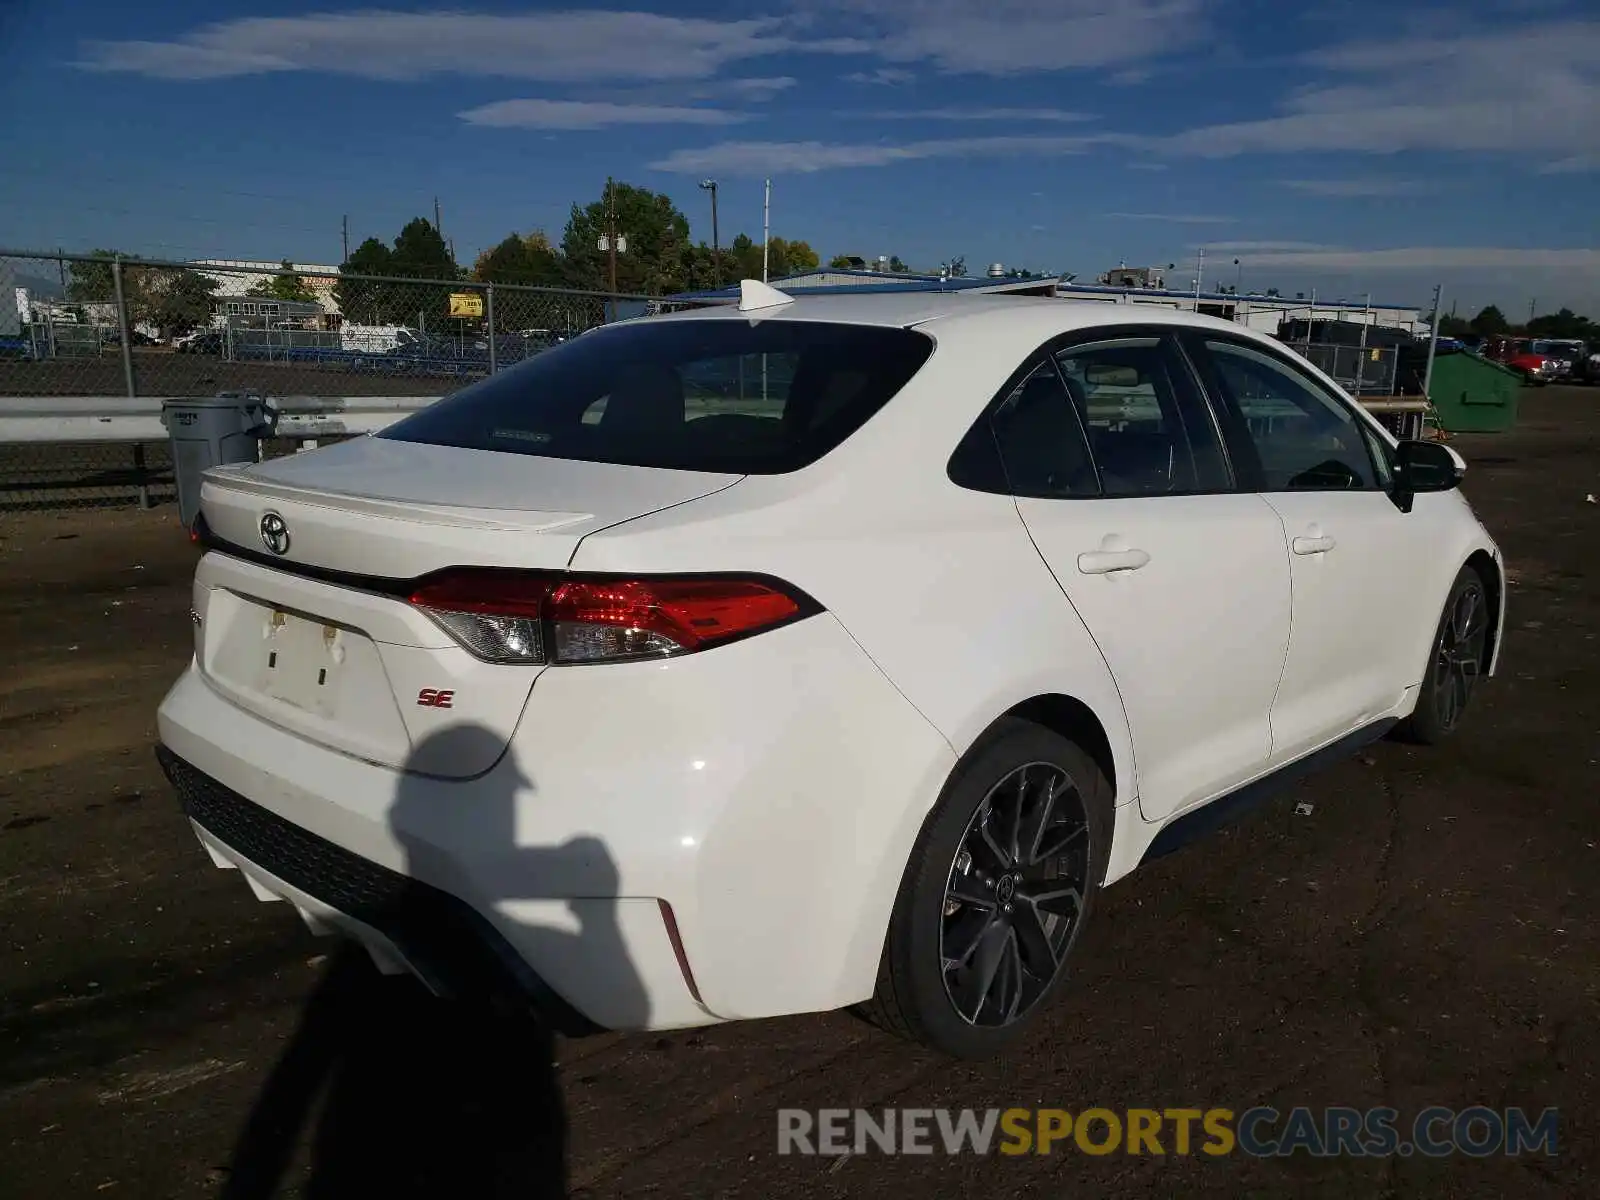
(1425,467)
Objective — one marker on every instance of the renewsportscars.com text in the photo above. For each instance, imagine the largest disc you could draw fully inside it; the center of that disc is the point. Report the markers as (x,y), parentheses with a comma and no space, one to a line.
(1260,1131)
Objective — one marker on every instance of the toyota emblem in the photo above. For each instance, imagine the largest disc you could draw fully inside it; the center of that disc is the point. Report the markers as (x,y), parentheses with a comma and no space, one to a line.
(275,533)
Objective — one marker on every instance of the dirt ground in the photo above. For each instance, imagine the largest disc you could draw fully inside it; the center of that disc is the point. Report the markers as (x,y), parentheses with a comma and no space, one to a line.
(1426,935)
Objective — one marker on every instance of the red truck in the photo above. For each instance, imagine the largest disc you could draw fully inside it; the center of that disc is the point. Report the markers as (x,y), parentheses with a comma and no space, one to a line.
(1518,354)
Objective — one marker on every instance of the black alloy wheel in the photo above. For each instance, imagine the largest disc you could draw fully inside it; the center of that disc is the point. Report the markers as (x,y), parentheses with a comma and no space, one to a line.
(996,893)
(1014,895)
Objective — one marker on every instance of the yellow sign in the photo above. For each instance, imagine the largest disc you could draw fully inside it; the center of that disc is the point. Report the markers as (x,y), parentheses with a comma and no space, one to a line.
(466,304)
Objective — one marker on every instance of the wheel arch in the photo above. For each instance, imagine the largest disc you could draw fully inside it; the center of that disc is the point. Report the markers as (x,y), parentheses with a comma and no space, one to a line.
(1073,720)
(1492,571)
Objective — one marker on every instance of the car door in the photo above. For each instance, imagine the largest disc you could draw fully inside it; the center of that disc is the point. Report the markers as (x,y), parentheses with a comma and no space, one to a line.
(1358,564)
(1121,477)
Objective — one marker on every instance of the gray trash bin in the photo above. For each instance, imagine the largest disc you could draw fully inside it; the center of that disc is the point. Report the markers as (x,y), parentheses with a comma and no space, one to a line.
(208,431)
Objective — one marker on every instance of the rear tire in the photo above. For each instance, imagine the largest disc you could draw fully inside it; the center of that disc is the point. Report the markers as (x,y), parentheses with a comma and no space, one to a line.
(996,893)
(1456,662)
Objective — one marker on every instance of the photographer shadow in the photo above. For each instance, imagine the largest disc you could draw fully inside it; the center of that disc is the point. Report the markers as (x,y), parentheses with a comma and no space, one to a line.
(427,1094)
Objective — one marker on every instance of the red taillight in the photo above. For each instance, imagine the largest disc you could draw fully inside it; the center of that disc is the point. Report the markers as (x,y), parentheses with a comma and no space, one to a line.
(513,616)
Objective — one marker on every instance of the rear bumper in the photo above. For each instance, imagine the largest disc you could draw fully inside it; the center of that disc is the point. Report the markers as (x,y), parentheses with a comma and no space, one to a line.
(407,925)
(765,794)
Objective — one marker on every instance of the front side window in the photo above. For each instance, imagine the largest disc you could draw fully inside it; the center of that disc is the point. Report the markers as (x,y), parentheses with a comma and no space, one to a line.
(1305,439)
(748,397)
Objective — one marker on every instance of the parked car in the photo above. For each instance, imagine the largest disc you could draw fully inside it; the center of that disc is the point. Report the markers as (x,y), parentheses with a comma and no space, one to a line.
(201,341)
(1564,355)
(1518,354)
(1588,366)
(856,697)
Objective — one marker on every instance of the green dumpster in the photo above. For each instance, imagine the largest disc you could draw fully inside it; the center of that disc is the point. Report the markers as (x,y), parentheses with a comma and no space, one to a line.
(1474,395)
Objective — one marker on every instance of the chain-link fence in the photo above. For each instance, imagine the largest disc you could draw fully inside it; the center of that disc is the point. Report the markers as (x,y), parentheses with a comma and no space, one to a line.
(1360,370)
(90,326)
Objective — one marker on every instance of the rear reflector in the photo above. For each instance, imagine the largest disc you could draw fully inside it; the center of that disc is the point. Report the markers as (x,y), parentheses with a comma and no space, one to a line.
(532,617)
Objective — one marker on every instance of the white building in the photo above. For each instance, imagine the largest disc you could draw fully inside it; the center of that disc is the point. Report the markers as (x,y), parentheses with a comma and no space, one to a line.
(1265,313)
(319,278)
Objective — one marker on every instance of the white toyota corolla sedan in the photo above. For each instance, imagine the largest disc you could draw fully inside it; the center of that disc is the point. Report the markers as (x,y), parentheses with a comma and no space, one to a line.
(809,653)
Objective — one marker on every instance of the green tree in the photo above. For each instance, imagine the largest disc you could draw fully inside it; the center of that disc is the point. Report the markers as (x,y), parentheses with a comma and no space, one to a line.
(897,266)
(525,260)
(520,259)
(174,300)
(700,270)
(91,282)
(656,234)
(841,262)
(797,256)
(1451,326)
(744,258)
(1489,321)
(783,258)
(362,301)
(1562,324)
(420,252)
(283,287)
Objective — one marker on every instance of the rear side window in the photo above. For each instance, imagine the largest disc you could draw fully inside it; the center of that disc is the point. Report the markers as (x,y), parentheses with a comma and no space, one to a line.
(1150,431)
(747,397)
(1041,441)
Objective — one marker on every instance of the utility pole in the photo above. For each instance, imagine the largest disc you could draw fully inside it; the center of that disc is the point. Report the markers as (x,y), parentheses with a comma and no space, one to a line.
(766,229)
(437,226)
(1199,274)
(611,232)
(344,236)
(1531,303)
(710,185)
(1433,345)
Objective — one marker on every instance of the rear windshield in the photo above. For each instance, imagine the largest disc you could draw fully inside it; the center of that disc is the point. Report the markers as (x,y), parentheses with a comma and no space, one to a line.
(747,397)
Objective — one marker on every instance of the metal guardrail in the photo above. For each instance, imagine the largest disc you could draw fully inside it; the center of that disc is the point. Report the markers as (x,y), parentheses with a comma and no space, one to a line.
(99,450)
(76,420)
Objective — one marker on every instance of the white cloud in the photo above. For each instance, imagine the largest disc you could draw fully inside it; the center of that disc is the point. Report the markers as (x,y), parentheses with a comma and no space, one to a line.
(1574,165)
(997,37)
(1002,37)
(557,47)
(1147,166)
(583,114)
(687,91)
(1132,77)
(1533,88)
(1179,218)
(775,158)
(1434,258)
(1354,187)
(1043,115)
(882,77)
(755,90)
(1252,247)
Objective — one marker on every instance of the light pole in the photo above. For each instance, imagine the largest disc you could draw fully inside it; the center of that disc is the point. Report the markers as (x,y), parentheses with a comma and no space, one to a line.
(710,185)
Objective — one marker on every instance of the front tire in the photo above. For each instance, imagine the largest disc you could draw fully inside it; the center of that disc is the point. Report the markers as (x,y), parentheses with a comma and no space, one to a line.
(996,894)
(1458,659)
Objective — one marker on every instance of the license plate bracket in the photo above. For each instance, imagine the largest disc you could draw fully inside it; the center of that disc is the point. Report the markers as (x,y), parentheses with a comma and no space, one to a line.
(299,662)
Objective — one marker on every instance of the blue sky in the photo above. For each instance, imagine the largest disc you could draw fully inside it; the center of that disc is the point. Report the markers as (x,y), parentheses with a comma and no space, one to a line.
(1349,147)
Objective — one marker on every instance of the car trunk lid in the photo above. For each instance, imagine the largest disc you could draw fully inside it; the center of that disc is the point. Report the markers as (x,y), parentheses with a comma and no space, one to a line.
(302,616)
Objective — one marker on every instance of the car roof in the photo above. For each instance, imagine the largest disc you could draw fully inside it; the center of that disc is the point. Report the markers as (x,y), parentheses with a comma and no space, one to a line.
(1025,315)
